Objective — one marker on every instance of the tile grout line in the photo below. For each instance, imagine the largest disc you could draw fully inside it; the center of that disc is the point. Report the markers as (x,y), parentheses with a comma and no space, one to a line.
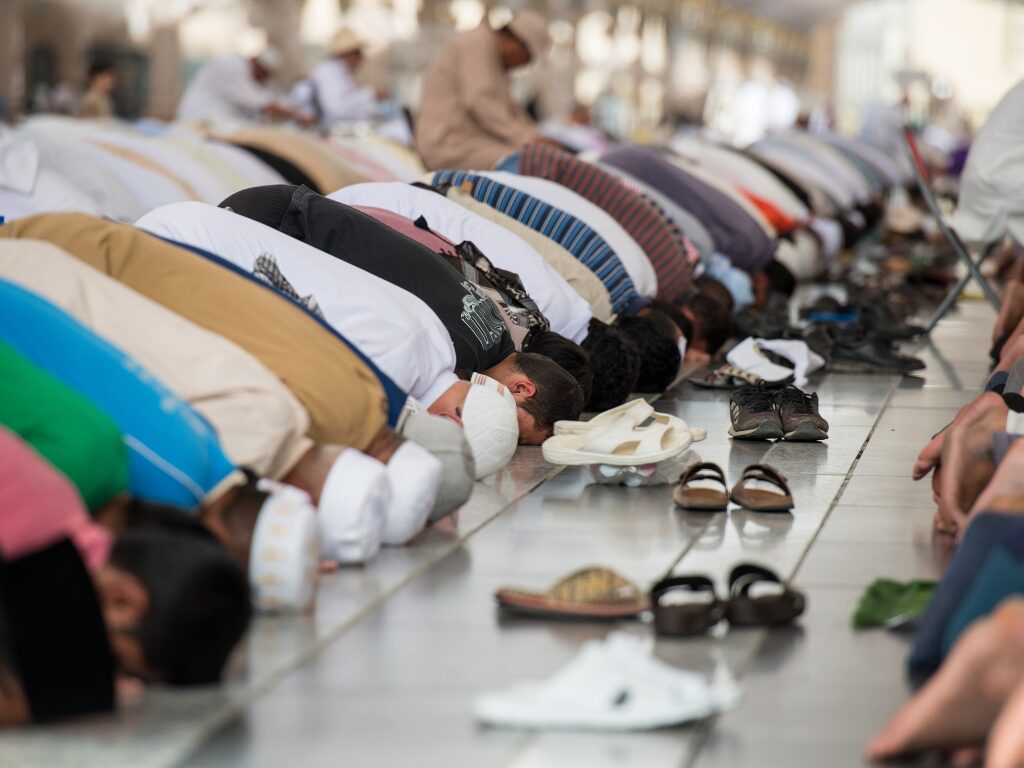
(705,728)
(236,708)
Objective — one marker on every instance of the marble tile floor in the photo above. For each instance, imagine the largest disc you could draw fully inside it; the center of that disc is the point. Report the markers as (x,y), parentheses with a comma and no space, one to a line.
(384,672)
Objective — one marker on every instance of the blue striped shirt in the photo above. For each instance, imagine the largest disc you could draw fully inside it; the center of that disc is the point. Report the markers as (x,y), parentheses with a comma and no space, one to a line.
(565,229)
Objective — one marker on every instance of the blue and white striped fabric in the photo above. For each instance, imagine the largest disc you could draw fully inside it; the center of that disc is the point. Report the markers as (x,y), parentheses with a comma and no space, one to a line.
(558,225)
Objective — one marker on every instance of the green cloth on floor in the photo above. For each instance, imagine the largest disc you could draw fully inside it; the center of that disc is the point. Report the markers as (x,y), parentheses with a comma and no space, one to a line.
(886,600)
(64,427)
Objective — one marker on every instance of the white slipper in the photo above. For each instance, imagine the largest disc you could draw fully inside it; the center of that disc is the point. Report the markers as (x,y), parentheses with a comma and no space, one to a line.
(606,688)
(640,409)
(620,444)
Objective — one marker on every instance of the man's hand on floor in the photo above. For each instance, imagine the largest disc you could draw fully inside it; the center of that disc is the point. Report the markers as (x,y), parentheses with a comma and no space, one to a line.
(931,454)
(967,462)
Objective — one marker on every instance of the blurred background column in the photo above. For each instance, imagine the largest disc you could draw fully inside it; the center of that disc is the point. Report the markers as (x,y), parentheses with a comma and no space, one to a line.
(12,56)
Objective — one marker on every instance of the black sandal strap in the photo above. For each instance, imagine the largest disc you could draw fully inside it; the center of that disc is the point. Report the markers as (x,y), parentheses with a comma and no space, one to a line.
(745,575)
(704,471)
(686,619)
(767,474)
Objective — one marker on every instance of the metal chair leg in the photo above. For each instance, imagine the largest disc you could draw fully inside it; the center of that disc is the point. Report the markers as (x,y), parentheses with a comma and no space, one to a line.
(973,273)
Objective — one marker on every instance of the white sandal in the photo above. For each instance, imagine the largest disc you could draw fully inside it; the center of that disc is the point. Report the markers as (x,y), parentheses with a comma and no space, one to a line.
(621,444)
(638,410)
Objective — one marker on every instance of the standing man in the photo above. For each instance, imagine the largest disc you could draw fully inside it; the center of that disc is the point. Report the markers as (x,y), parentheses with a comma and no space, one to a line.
(232,90)
(467,117)
(331,94)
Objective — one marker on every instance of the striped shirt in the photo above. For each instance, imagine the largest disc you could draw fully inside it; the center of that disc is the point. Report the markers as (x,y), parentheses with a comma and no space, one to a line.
(670,252)
(735,232)
(589,248)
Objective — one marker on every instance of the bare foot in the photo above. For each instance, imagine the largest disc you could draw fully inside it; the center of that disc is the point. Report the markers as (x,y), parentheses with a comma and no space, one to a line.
(1006,740)
(1005,491)
(959,704)
(967,463)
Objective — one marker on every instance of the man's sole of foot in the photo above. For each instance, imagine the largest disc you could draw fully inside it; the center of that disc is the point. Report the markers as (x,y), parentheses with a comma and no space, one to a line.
(806,431)
(766,430)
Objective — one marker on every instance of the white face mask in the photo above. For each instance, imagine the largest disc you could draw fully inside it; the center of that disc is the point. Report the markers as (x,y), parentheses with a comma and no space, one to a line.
(682,347)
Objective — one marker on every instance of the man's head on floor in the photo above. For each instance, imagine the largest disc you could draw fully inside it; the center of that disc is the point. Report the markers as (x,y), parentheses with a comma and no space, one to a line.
(175,603)
(711,322)
(615,362)
(542,391)
(655,338)
(571,356)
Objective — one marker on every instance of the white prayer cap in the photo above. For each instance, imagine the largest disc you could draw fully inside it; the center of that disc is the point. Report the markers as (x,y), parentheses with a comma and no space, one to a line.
(270,59)
(285,554)
(490,424)
(353,504)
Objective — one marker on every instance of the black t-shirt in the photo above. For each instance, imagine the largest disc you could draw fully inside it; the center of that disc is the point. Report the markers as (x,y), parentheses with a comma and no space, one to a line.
(474,323)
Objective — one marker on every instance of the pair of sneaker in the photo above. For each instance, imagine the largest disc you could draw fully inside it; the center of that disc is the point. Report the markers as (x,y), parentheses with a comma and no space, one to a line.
(760,413)
(611,685)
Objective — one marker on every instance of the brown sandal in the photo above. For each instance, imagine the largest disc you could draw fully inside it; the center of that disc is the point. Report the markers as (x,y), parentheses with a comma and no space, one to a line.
(757,499)
(590,593)
(702,499)
(687,617)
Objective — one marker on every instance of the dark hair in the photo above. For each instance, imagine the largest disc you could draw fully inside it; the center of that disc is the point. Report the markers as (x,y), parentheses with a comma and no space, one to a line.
(568,354)
(558,396)
(716,289)
(144,515)
(711,321)
(653,337)
(239,516)
(100,68)
(199,603)
(780,277)
(675,314)
(615,362)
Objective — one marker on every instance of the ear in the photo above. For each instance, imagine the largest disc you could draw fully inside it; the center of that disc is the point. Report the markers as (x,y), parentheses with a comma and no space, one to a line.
(521,386)
(124,598)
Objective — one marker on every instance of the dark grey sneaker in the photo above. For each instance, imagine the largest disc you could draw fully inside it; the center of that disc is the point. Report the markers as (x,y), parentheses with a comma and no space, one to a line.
(798,412)
(754,415)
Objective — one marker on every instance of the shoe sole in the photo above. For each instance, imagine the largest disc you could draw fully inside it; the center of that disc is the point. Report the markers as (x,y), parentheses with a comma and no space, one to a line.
(806,431)
(766,430)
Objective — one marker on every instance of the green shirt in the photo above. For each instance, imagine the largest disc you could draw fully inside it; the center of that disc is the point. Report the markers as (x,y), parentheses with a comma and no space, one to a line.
(64,427)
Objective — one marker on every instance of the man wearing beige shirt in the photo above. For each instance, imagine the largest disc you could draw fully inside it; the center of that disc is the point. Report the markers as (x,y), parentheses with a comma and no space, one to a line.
(467,117)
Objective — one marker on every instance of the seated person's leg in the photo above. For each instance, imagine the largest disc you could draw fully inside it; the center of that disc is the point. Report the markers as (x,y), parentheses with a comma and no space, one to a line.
(960,703)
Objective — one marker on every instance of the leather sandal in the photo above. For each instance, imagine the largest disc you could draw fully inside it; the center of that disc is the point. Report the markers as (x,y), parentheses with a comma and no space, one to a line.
(758,499)
(772,610)
(702,499)
(685,619)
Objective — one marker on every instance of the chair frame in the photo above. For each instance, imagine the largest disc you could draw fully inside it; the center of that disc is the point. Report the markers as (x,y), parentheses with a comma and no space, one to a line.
(973,266)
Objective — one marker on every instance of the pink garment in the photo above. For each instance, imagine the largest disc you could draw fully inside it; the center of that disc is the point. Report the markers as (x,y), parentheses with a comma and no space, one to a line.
(407,227)
(39,506)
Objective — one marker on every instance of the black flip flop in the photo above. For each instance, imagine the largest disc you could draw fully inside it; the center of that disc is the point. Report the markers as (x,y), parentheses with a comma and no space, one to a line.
(774,610)
(702,499)
(689,618)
